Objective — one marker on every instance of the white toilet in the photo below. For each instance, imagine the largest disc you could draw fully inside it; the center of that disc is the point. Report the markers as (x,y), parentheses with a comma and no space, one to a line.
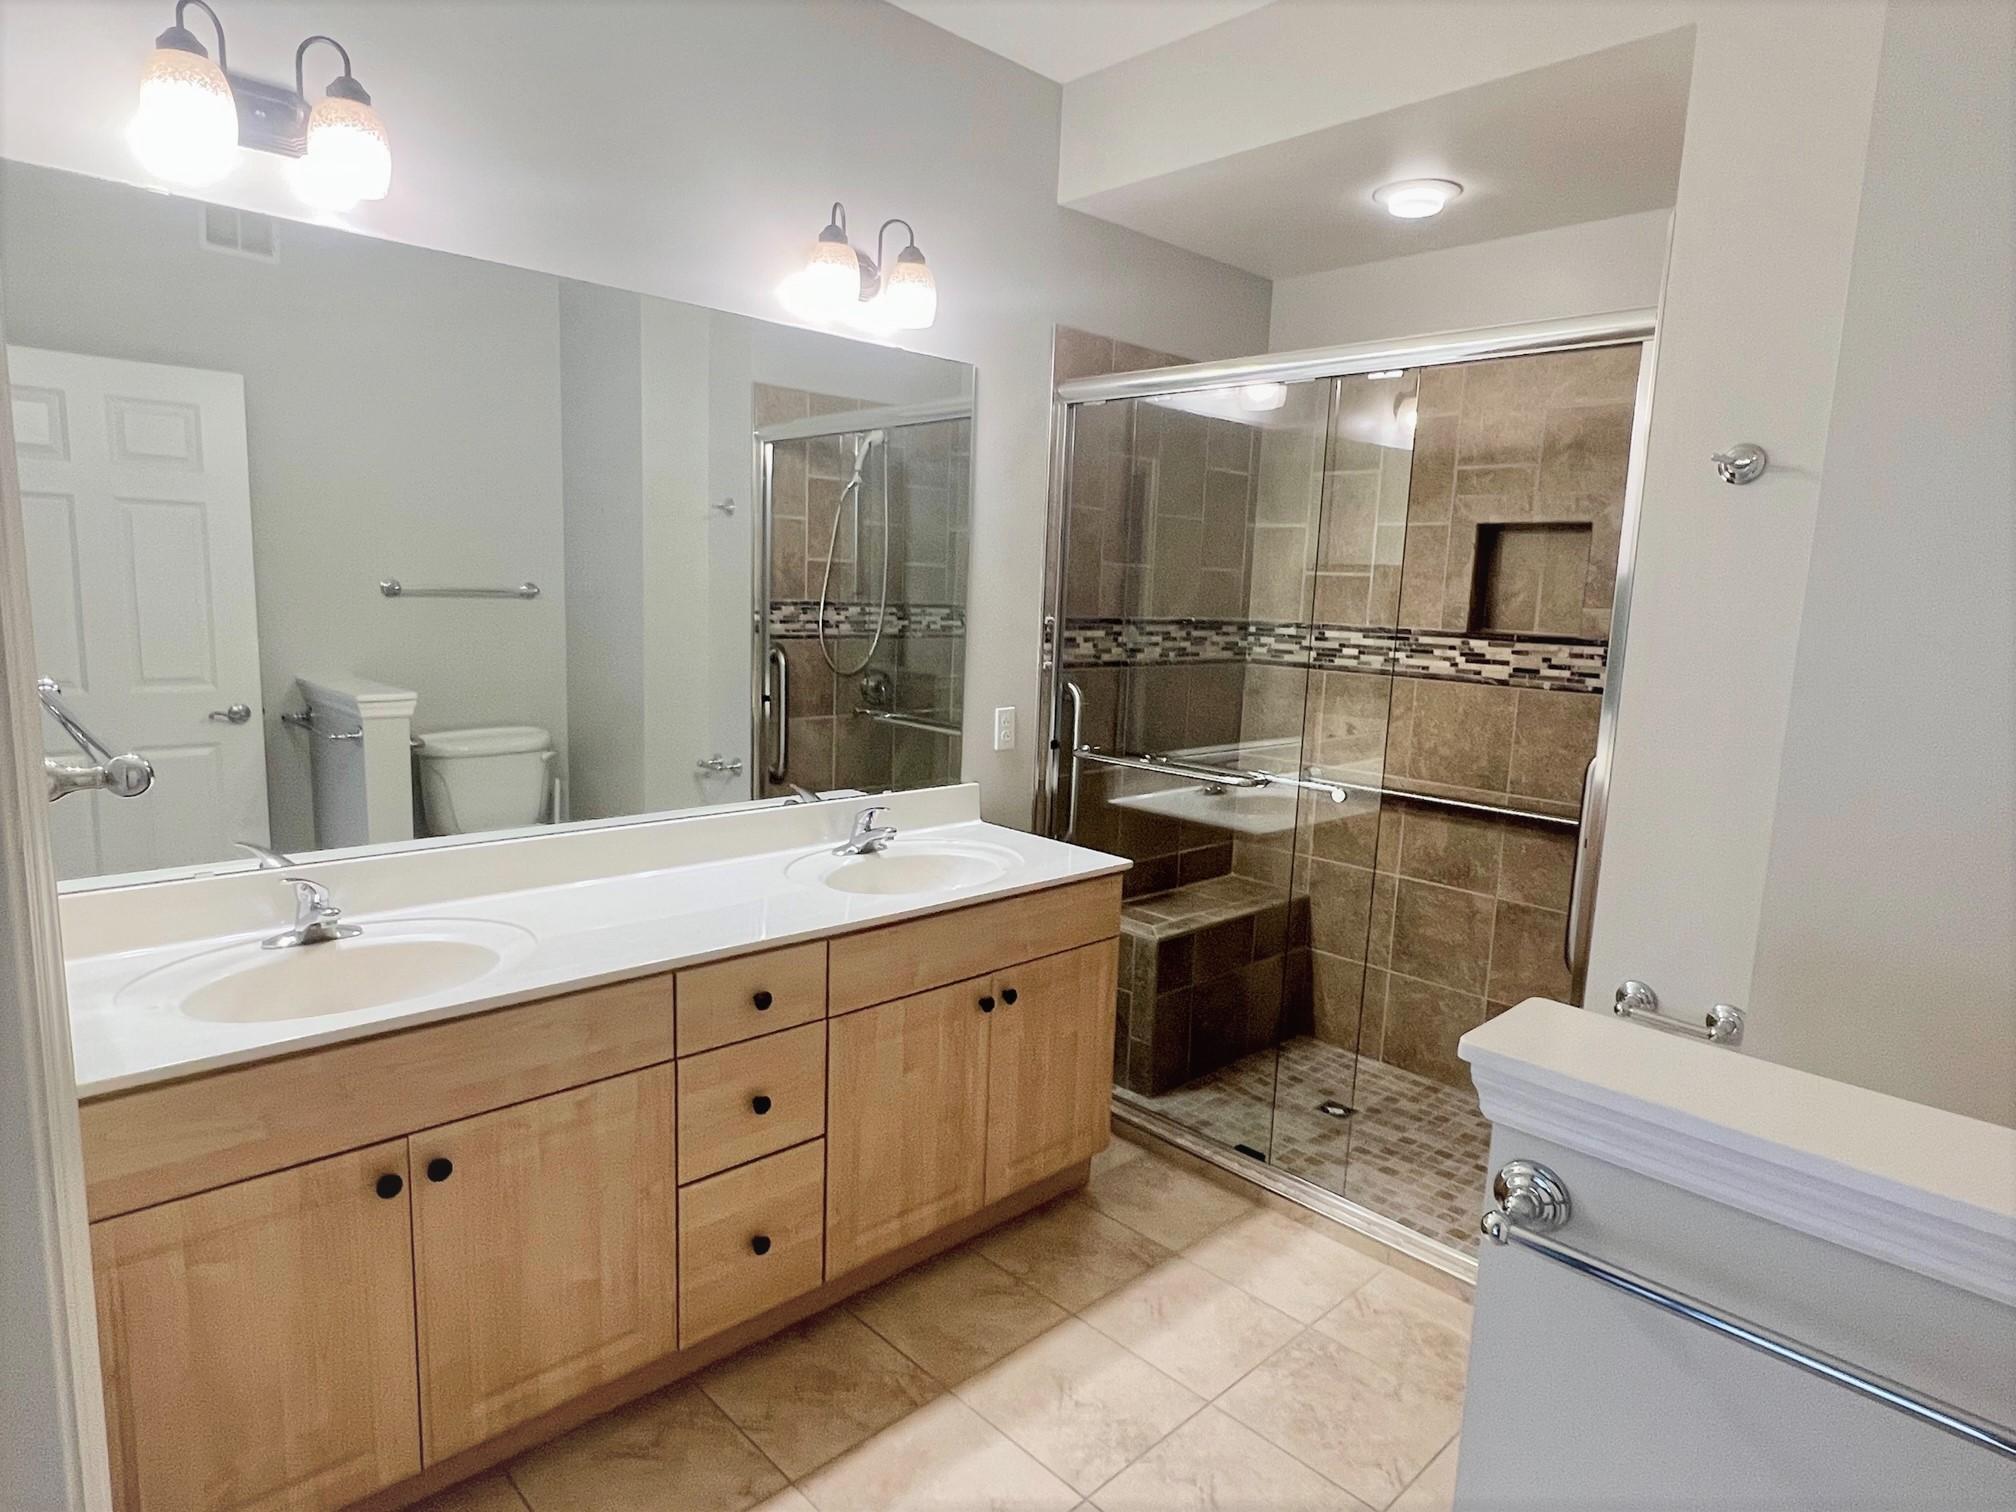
(498,777)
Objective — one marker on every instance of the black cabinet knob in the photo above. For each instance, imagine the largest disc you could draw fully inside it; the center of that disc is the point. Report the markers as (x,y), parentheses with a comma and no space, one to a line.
(760,1244)
(762,1000)
(390,1185)
(1008,995)
(987,1005)
(759,1104)
(440,1168)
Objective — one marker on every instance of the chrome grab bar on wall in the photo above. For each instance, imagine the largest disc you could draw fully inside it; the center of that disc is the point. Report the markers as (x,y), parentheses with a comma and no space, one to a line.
(922,722)
(779,700)
(393,588)
(1532,1202)
(1169,767)
(1721,1025)
(1573,931)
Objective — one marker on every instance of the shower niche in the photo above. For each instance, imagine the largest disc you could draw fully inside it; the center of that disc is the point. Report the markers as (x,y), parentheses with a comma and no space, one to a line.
(1331,656)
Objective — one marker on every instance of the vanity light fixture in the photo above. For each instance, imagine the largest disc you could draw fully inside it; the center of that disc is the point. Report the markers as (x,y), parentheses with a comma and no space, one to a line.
(194,114)
(841,282)
(1260,397)
(1417,199)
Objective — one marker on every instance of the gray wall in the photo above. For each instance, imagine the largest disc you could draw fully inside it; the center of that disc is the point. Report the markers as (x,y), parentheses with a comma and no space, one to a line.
(1887,954)
(402,420)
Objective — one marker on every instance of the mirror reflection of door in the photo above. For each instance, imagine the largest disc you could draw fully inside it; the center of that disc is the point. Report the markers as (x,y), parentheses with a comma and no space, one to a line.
(138,514)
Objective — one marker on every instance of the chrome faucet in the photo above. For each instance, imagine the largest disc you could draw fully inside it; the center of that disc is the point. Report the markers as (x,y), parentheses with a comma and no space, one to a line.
(801,794)
(315,919)
(269,859)
(868,837)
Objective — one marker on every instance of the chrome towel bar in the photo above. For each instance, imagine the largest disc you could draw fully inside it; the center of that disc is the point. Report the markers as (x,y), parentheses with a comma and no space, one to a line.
(1204,771)
(1531,1202)
(909,721)
(1722,1025)
(393,588)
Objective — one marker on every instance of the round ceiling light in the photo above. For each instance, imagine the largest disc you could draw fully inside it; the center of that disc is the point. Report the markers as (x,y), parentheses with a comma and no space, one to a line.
(1416,199)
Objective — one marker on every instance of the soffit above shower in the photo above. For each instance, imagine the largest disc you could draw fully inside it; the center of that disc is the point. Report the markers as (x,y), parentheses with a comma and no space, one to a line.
(1067,39)
(1585,138)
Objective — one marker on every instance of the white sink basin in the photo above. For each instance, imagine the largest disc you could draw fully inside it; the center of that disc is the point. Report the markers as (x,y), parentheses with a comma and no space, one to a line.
(923,866)
(389,963)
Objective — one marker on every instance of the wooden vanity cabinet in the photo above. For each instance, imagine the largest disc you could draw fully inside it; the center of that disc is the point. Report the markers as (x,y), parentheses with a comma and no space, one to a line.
(1049,1065)
(544,1253)
(257,1340)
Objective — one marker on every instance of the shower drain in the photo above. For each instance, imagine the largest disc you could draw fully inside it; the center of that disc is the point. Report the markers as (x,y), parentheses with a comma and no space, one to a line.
(1334,1108)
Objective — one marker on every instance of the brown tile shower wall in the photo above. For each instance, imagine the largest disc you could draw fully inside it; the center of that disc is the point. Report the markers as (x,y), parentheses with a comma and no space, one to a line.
(930,478)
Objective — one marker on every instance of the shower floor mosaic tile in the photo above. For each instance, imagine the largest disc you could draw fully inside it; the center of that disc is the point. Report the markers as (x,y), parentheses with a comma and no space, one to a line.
(1412,1149)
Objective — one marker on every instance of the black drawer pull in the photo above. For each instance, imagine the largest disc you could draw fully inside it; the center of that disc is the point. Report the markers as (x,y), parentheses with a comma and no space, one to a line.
(1008,995)
(440,1168)
(760,1244)
(762,1000)
(390,1185)
(987,1005)
(759,1105)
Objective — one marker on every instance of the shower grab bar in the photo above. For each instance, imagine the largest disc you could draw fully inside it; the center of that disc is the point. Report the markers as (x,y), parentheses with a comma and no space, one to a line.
(1573,931)
(393,588)
(1531,1202)
(780,712)
(909,721)
(1436,800)
(1077,696)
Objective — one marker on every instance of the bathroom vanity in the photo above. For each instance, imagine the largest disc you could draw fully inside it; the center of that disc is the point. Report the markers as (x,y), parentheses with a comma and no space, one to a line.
(363,1253)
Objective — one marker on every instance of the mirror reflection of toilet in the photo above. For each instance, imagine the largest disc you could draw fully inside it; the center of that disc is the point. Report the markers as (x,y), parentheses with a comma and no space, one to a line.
(495,777)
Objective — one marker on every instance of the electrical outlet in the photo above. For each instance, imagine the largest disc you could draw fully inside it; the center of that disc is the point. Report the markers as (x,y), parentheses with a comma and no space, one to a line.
(1004,729)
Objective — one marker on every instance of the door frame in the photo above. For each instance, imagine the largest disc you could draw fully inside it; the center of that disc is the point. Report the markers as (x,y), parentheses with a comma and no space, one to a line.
(1054,766)
(55,1403)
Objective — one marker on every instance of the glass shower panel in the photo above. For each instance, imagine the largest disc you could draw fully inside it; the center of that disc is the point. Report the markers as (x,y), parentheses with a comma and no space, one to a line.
(1189,552)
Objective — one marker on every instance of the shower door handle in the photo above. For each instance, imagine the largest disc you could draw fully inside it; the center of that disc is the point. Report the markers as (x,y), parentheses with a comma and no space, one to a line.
(1077,696)
(780,711)
(1576,906)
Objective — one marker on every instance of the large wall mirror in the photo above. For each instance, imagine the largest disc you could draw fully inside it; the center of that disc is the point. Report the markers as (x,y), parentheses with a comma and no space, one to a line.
(360,544)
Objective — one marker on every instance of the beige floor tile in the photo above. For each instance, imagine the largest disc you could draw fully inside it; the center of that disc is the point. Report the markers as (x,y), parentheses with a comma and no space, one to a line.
(817,1390)
(1117,1152)
(1213,1464)
(1434,1490)
(672,1449)
(1071,1252)
(941,1458)
(1333,1409)
(1170,1206)
(1188,1324)
(1432,1276)
(1283,1263)
(1082,1404)
(790,1499)
(487,1493)
(956,1314)
(1408,1327)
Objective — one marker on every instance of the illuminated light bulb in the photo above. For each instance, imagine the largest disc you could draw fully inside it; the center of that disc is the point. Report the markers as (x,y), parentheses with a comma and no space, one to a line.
(828,287)
(1417,199)
(349,156)
(909,295)
(186,129)
(1263,396)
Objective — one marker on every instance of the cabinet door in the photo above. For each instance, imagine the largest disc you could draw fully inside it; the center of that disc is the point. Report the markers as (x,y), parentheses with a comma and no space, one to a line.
(906,1121)
(544,1249)
(257,1340)
(1050,1065)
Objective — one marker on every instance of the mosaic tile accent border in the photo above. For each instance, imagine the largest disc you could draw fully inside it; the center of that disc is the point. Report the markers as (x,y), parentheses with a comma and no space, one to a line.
(1564,666)
(798,619)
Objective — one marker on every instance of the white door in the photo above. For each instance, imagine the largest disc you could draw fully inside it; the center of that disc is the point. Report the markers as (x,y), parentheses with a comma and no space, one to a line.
(138,508)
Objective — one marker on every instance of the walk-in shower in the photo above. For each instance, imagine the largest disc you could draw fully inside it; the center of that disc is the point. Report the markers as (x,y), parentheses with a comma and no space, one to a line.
(859,642)
(1330,644)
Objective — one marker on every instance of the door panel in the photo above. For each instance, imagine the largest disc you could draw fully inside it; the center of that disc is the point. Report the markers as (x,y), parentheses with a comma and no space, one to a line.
(258,1340)
(138,503)
(546,1256)
(906,1121)
(1049,1066)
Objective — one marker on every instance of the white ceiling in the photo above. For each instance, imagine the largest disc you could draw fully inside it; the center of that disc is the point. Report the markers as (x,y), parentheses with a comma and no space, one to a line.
(1064,39)
(1586,139)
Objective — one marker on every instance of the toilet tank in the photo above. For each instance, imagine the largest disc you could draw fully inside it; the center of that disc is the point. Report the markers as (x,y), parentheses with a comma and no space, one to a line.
(496,777)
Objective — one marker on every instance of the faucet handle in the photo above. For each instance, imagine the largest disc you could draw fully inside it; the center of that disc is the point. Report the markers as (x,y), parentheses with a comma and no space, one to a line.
(311,898)
(865,820)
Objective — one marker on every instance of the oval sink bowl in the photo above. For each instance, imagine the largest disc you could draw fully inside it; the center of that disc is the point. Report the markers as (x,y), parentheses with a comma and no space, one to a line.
(926,867)
(388,963)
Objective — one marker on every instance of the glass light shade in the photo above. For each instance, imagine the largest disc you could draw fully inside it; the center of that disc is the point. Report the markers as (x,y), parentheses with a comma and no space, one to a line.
(828,287)
(909,295)
(349,156)
(1263,396)
(1417,199)
(186,129)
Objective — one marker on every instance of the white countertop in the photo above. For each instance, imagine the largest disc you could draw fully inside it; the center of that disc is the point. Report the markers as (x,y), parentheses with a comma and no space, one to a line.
(1917,1186)
(723,893)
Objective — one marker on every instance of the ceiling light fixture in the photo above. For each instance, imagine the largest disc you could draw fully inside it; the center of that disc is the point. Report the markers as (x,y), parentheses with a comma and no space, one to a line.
(841,282)
(194,114)
(1417,199)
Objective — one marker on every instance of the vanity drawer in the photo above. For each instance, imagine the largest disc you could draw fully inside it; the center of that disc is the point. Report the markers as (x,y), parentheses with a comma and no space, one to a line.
(880,965)
(750,1239)
(738,999)
(748,1100)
